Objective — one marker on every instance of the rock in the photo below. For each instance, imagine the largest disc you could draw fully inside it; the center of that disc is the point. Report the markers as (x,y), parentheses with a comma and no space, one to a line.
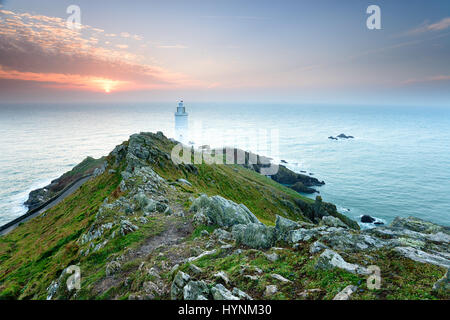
(219,292)
(443,284)
(367,219)
(253,278)
(316,247)
(112,268)
(205,253)
(288,177)
(416,224)
(424,257)
(271,256)
(185,182)
(168,211)
(179,282)
(196,270)
(300,187)
(221,275)
(223,212)
(204,233)
(270,290)
(222,234)
(141,199)
(241,294)
(199,219)
(343,240)
(151,289)
(196,290)
(346,293)
(280,278)
(254,235)
(283,226)
(302,235)
(127,227)
(308,292)
(343,136)
(333,222)
(332,138)
(330,259)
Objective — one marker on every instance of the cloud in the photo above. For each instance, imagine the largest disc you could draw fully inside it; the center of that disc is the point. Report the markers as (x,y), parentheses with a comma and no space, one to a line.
(426,27)
(428,79)
(176,46)
(42,50)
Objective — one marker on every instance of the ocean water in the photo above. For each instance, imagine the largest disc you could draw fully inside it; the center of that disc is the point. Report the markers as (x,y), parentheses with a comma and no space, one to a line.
(397,165)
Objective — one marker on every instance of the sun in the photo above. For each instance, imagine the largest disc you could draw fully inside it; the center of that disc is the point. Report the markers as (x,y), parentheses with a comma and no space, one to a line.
(106,85)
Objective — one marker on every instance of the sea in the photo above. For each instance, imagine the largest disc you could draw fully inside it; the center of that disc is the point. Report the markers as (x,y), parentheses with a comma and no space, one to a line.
(397,164)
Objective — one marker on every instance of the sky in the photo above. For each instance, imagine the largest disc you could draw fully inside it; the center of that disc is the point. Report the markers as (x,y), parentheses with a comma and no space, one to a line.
(254,50)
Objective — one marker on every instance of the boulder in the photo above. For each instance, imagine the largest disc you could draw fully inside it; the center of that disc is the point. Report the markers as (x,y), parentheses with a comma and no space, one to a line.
(283,226)
(330,259)
(333,222)
(367,219)
(179,282)
(254,235)
(270,290)
(303,234)
(346,293)
(443,284)
(219,292)
(241,294)
(223,212)
(221,275)
(222,234)
(316,247)
(280,278)
(127,227)
(196,290)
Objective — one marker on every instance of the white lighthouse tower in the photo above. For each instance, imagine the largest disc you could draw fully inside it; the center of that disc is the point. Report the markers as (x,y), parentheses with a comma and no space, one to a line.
(181,123)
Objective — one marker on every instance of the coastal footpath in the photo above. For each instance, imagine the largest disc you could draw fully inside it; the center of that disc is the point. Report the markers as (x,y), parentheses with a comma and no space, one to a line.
(145,228)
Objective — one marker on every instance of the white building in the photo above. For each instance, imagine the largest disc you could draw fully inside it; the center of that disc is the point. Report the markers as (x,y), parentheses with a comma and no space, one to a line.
(181,123)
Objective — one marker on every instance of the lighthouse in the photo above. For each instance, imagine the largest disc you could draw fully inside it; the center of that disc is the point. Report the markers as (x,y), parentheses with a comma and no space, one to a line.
(181,123)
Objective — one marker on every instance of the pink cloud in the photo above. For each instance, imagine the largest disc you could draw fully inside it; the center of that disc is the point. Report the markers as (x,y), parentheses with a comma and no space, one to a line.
(42,49)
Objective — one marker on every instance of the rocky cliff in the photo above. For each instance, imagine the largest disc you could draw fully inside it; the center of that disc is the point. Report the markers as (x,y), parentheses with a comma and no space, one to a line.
(146,228)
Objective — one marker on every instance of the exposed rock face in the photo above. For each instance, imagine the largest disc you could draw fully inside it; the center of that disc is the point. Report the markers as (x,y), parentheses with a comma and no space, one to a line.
(422,256)
(86,167)
(300,187)
(418,225)
(223,212)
